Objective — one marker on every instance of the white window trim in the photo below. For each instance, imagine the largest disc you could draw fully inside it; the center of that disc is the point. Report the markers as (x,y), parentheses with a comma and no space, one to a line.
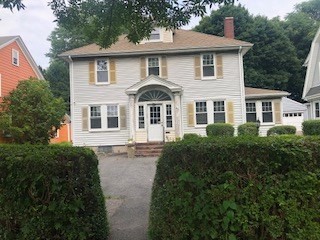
(156,40)
(314,111)
(14,51)
(257,114)
(225,110)
(165,116)
(195,114)
(214,65)
(147,64)
(144,116)
(96,71)
(104,118)
(261,120)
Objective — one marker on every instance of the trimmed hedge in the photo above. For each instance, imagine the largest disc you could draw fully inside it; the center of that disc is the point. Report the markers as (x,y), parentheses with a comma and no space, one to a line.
(191,136)
(50,192)
(311,127)
(239,188)
(282,130)
(248,129)
(220,130)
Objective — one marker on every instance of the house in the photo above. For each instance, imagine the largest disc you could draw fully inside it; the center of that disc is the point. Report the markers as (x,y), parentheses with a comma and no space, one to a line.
(174,83)
(311,89)
(63,134)
(16,63)
(294,113)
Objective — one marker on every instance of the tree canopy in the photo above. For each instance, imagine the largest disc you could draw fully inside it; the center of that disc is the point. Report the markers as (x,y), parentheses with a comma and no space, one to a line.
(30,113)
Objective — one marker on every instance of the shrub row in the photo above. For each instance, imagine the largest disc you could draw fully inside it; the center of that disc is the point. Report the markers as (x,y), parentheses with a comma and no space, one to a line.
(50,192)
(239,188)
(311,127)
(282,130)
(220,129)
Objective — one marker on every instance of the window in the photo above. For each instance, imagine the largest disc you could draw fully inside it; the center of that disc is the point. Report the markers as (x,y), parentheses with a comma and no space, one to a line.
(317,109)
(141,117)
(112,116)
(201,113)
(267,112)
(251,112)
(15,57)
(153,66)
(169,115)
(102,71)
(155,34)
(219,115)
(208,66)
(95,117)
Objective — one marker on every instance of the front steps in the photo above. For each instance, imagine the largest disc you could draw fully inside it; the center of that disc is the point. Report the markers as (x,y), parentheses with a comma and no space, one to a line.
(150,149)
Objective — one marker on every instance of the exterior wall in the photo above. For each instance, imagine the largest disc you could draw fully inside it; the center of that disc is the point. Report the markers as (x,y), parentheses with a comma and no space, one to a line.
(316,73)
(11,74)
(63,135)
(180,71)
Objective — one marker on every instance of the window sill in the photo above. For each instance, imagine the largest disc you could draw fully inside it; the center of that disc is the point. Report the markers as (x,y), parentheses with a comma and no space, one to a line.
(102,84)
(104,130)
(209,79)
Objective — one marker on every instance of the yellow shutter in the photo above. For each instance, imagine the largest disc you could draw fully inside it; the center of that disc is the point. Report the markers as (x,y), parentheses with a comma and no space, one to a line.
(143,69)
(219,66)
(277,112)
(190,109)
(92,73)
(123,119)
(112,69)
(85,119)
(230,113)
(197,67)
(164,70)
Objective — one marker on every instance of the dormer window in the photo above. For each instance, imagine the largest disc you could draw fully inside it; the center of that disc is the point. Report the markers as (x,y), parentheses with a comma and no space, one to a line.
(15,57)
(155,34)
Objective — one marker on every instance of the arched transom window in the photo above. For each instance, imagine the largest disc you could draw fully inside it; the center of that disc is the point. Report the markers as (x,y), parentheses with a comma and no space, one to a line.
(154,95)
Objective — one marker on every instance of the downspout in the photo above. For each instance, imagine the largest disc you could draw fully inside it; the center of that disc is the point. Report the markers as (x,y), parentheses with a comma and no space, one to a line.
(242,87)
(72,103)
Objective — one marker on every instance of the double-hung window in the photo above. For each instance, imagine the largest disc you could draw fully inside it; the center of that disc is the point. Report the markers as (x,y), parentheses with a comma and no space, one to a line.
(219,114)
(15,57)
(112,116)
(102,71)
(317,109)
(153,66)
(201,113)
(208,66)
(95,117)
(251,112)
(267,114)
(155,34)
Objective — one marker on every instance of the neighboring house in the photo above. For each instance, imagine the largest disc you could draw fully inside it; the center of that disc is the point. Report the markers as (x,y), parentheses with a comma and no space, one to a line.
(64,133)
(311,90)
(16,63)
(293,113)
(176,82)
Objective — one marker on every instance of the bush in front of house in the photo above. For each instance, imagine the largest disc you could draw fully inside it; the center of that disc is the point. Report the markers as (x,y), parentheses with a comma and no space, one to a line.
(220,130)
(50,192)
(248,129)
(311,127)
(191,136)
(238,188)
(282,130)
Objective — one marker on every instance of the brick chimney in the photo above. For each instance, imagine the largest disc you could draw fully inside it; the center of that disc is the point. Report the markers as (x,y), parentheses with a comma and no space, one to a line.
(228,27)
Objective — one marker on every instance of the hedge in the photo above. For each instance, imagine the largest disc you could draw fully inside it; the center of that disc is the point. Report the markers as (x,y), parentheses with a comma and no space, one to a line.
(50,192)
(239,188)
(191,136)
(248,129)
(282,130)
(311,127)
(220,130)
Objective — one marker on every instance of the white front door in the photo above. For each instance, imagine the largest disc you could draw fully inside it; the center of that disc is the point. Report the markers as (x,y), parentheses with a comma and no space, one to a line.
(155,123)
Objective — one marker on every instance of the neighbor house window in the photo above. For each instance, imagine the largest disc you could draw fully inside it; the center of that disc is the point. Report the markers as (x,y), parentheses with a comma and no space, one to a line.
(141,117)
(267,112)
(95,117)
(251,112)
(208,66)
(317,109)
(15,57)
(153,66)
(169,115)
(155,34)
(201,113)
(112,116)
(219,114)
(102,71)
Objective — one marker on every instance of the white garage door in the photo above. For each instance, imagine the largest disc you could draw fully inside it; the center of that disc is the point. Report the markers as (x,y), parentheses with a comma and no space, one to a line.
(294,119)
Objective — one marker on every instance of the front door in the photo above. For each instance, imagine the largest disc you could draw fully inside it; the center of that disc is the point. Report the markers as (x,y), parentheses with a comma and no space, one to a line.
(155,124)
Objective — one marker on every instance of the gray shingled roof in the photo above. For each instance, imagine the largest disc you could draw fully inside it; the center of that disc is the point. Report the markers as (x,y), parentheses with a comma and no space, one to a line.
(313,91)
(290,106)
(6,39)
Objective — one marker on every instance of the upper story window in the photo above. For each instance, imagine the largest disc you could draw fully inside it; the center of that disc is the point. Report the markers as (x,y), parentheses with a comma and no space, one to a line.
(154,66)
(251,112)
(219,114)
(15,57)
(155,34)
(208,66)
(201,113)
(102,71)
(267,114)
(317,109)
(95,117)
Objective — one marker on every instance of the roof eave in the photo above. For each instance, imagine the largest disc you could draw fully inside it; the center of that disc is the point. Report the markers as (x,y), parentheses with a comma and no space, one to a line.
(269,95)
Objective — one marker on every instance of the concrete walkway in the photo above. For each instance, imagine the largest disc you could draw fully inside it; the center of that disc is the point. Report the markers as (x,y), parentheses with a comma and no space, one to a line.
(127,184)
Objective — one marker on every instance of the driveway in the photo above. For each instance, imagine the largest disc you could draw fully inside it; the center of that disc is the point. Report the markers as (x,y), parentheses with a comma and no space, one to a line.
(127,184)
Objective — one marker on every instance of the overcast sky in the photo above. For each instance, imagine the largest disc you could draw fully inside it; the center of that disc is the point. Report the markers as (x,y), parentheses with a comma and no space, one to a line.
(35,23)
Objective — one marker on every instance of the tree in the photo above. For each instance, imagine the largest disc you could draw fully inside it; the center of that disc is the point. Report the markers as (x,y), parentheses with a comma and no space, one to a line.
(311,8)
(30,113)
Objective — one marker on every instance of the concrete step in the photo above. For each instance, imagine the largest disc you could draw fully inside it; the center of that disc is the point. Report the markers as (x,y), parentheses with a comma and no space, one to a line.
(149,149)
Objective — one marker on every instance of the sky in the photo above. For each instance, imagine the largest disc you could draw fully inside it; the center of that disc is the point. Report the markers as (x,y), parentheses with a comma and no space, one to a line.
(36,22)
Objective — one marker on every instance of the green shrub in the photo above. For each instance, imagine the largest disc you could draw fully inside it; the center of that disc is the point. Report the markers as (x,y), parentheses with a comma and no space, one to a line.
(311,127)
(282,130)
(191,136)
(248,129)
(50,192)
(220,130)
(238,188)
